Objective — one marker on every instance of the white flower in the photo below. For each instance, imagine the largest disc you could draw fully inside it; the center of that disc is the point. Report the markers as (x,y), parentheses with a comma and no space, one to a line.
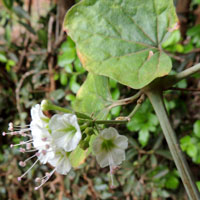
(65,131)
(51,141)
(42,144)
(109,148)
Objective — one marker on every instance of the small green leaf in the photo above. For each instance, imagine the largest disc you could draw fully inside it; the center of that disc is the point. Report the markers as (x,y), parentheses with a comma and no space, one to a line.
(197,128)
(67,57)
(77,157)
(63,78)
(198,185)
(122,39)
(172,182)
(94,97)
(3,58)
(73,85)
(70,97)
(184,142)
(116,111)
(143,137)
(192,150)
(115,94)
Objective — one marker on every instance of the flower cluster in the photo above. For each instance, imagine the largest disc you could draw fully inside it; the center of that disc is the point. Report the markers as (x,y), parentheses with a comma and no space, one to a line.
(51,141)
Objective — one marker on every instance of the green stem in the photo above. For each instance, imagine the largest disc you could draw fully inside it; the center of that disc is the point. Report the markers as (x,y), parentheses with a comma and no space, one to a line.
(184,171)
(126,101)
(134,111)
(139,103)
(47,105)
(188,72)
(105,121)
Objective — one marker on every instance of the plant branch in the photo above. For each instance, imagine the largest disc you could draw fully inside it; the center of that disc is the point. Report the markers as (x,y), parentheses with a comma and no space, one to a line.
(184,89)
(186,73)
(139,103)
(126,101)
(105,121)
(156,99)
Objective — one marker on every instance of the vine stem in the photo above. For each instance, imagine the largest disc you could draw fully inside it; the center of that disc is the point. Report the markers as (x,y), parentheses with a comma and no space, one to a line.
(156,99)
(126,101)
(188,72)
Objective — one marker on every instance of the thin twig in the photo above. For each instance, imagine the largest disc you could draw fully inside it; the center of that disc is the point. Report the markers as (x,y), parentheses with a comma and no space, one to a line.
(17,91)
(188,72)
(185,89)
(178,58)
(126,101)
(49,50)
(139,103)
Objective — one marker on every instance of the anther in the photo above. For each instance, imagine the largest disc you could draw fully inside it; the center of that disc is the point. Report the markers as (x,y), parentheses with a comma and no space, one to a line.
(44,152)
(22,163)
(37,154)
(44,139)
(37,180)
(4,133)
(22,150)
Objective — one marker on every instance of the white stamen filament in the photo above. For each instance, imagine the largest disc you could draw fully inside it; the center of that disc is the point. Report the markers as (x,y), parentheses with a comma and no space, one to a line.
(45,179)
(19,178)
(30,157)
(22,143)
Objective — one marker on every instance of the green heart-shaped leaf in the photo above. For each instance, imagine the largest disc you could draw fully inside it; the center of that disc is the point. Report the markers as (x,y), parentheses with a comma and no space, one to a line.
(93,98)
(122,39)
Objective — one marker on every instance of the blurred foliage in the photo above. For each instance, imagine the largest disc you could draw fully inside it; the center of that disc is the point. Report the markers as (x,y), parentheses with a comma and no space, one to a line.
(37,61)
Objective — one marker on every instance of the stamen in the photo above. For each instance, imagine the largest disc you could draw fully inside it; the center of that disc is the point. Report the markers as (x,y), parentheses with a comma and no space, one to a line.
(45,180)
(21,143)
(19,178)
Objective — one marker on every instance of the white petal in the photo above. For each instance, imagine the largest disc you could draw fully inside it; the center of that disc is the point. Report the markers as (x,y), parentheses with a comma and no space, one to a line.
(102,159)
(38,117)
(118,155)
(109,133)
(65,138)
(60,162)
(121,141)
(44,158)
(96,146)
(64,166)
